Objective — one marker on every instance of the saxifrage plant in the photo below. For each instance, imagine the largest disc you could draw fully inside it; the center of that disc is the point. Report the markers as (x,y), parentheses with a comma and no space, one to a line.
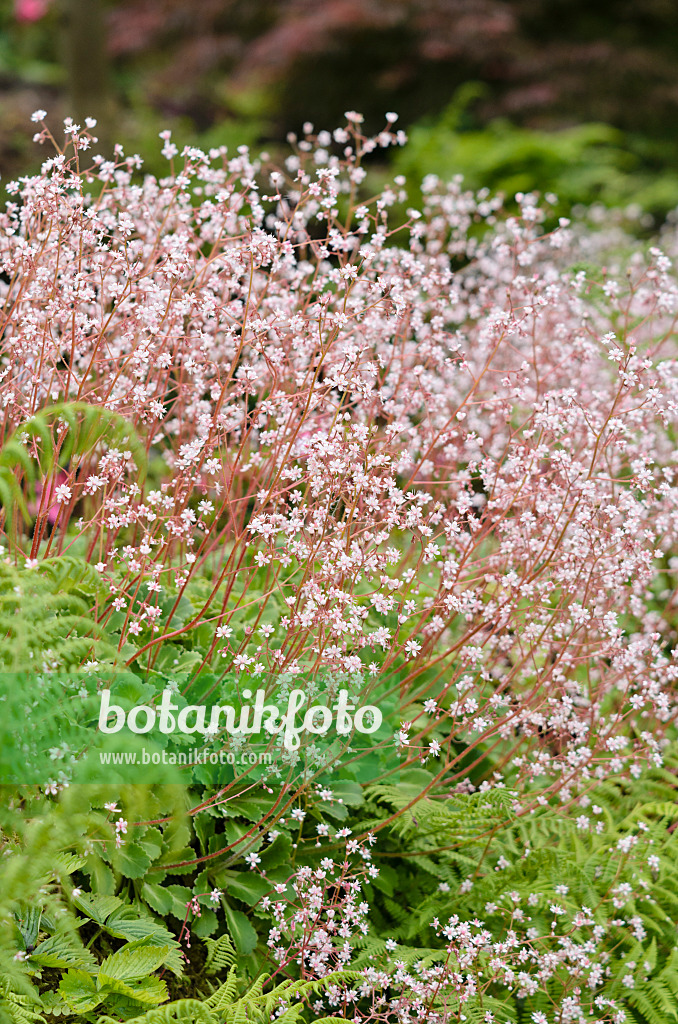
(255,434)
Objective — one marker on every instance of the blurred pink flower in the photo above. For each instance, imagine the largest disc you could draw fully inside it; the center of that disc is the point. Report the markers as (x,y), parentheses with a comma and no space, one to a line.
(54,485)
(30,10)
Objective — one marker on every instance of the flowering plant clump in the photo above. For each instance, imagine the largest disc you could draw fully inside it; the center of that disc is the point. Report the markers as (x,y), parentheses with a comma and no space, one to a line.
(262,429)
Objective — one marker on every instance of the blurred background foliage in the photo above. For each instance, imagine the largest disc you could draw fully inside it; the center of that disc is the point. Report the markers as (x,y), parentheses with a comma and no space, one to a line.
(568,96)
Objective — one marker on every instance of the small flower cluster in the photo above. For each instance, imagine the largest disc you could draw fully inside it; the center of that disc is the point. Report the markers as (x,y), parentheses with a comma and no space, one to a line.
(321,921)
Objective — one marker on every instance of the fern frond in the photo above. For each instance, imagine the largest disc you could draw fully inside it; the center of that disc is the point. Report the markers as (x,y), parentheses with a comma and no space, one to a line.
(86,425)
(223,996)
(59,434)
(182,1011)
(221,954)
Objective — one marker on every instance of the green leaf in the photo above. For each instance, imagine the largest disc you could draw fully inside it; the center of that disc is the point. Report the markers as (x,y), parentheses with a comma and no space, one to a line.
(79,990)
(174,857)
(242,932)
(247,886)
(132,860)
(128,965)
(28,923)
(57,952)
(174,959)
(101,877)
(157,897)
(251,808)
(277,854)
(337,811)
(206,924)
(131,923)
(349,792)
(181,895)
(96,906)
(149,991)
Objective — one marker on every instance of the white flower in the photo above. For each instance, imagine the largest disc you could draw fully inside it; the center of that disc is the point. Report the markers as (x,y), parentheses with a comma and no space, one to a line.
(241,661)
(38,115)
(215,895)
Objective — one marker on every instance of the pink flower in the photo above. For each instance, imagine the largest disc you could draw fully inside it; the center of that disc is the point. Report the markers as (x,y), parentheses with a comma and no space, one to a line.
(30,10)
(57,493)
